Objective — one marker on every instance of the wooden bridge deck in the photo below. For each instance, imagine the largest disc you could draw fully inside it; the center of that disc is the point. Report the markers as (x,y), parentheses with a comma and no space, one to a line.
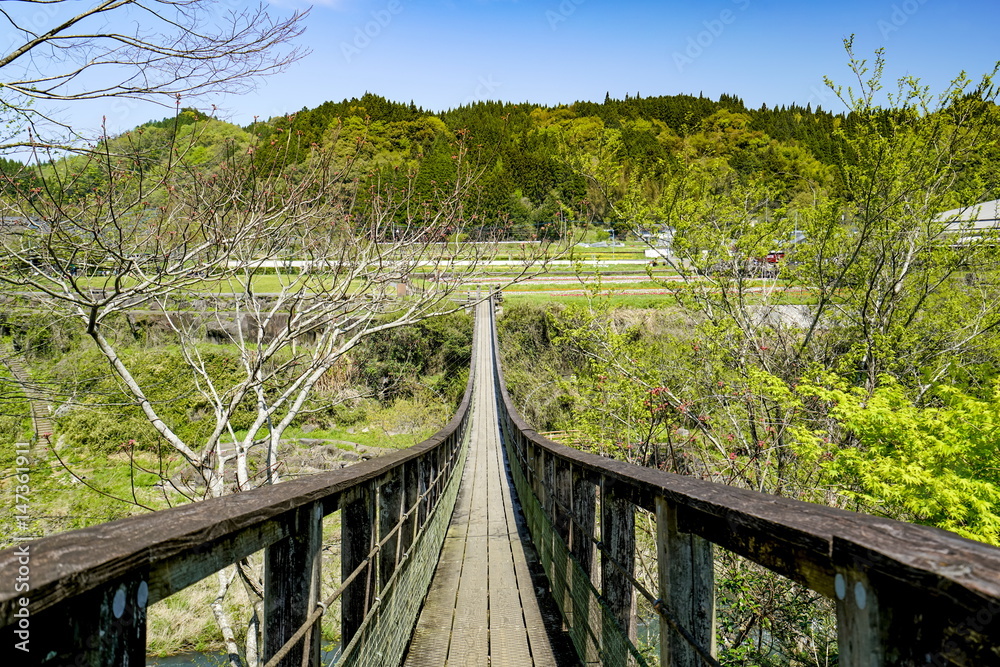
(482,608)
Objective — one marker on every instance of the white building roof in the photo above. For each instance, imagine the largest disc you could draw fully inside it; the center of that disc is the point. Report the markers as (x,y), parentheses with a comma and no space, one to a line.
(980,216)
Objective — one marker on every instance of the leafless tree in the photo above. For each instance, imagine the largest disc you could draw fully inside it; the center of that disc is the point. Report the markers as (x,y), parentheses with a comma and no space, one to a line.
(63,51)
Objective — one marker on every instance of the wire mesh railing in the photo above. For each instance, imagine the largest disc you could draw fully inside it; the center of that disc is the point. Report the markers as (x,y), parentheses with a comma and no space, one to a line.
(383,636)
(593,628)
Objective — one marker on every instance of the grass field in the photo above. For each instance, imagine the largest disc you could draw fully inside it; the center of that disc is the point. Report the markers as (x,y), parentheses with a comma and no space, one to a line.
(628,300)
(621,271)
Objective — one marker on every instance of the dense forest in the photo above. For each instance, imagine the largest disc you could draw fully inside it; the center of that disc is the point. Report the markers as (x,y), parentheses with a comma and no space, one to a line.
(533,166)
(535,161)
(534,170)
(537,164)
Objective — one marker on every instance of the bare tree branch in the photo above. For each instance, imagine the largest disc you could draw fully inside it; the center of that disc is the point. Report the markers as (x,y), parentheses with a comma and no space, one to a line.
(155,50)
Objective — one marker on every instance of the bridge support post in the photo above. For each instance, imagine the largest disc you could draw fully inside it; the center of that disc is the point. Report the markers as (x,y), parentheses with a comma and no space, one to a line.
(910,630)
(617,565)
(410,478)
(534,471)
(561,584)
(357,522)
(686,587)
(441,464)
(859,635)
(390,496)
(546,470)
(291,586)
(520,447)
(103,627)
(424,479)
(582,530)
(586,613)
(888,615)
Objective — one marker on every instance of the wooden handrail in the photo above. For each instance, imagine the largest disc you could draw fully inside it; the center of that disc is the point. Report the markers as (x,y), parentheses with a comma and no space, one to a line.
(905,594)
(88,589)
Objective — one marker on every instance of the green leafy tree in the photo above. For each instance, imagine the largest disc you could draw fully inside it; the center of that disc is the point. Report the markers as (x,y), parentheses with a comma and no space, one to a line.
(931,465)
(895,279)
(881,306)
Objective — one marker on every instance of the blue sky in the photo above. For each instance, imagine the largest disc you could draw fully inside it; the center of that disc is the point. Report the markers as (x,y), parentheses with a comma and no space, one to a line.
(443,53)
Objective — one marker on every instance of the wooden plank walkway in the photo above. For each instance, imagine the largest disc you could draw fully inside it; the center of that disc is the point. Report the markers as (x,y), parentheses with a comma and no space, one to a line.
(481,608)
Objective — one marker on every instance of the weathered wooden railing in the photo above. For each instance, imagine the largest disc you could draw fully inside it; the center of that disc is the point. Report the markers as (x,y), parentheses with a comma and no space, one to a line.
(904,594)
(81,597)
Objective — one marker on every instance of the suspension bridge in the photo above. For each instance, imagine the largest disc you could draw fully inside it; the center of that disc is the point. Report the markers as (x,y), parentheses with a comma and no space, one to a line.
(488,544)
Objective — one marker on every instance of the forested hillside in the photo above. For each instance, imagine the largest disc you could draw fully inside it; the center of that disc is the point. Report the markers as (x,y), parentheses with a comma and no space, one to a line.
(533,165)
(540,164)
(534,168)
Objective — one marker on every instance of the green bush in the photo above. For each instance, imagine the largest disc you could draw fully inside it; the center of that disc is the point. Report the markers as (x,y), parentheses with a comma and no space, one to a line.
(433,354)
(102,430)
(109,417)
(350,413)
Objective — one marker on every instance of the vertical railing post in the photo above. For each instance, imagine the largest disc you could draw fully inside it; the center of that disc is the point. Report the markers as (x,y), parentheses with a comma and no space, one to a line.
(442,469)
(433,483)
(521,447)
(291,586)
(563,478)
(103,627)
(529,466)
(410,481)
(423,482)
(585,513)
(586,615)
(390,494)
(618,538)
(516,442)
(538,473)
(533,472)
(563,521)
(686,588)
(549,484)
(431,466)
(449,448)
(547,471)
(357,519)
(861,640)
